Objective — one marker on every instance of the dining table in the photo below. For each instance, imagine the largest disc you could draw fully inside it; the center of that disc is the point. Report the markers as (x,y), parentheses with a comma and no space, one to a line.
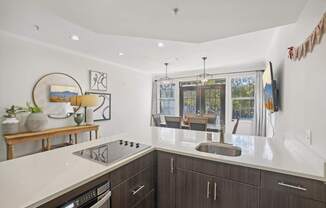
(210,126)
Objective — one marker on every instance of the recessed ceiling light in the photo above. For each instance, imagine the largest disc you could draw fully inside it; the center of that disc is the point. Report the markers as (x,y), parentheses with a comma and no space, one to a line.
(36,28)
(121,54)
(74,37)
(160,45)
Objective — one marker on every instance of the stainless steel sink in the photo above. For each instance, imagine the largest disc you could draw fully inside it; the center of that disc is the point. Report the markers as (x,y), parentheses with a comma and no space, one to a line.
(219,148)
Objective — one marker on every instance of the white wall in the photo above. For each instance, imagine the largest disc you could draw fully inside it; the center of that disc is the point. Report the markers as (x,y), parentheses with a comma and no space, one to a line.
(302,83)
(23,62)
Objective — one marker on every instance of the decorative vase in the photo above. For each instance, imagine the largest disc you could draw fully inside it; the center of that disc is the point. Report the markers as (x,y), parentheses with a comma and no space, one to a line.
(36,121)
(79,118)
(10,126)
(89,116)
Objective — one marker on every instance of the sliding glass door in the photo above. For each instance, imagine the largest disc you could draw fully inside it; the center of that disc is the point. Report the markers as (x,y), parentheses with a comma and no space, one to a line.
(208,99)
(223,99)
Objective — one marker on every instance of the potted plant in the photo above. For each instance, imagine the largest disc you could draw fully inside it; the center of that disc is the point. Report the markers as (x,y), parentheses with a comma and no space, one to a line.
(36,120)
(11,124)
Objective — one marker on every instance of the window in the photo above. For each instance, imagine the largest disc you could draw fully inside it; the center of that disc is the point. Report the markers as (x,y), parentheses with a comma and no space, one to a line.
(214,97)
(189,101)
(243,97)
(167,99)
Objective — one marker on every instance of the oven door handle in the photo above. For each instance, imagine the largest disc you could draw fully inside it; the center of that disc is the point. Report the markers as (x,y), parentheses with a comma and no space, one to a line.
(102,201)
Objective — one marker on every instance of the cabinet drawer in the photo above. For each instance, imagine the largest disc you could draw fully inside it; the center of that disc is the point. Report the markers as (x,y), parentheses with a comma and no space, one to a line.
(131,169)
(132,191)
(280,199)
(237,173)
(293,185)
(139,186)
(148,202)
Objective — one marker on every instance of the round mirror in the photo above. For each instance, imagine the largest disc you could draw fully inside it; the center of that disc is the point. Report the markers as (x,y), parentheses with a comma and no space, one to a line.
(53,93)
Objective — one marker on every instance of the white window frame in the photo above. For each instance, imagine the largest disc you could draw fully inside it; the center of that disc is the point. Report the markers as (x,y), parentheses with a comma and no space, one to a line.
(230,102)
(176,95)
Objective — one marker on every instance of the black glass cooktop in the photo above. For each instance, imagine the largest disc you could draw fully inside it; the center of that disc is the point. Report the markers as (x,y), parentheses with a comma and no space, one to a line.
(111,152)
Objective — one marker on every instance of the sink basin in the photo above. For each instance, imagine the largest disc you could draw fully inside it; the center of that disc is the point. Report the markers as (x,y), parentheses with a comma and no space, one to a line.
(219,149)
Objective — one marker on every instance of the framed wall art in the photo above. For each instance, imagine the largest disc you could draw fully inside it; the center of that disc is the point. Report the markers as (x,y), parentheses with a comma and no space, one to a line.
(102,112)
(98,81)
(52,93)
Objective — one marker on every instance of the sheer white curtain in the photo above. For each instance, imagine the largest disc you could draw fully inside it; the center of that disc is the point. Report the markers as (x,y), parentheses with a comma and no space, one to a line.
(260,110)
(154,101)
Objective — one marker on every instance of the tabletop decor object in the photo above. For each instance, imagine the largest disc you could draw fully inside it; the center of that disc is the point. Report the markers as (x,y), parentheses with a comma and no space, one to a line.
(87,101)
(52,93)
(102,110)
(10,125)
(78,118)
(98,81)
(36,120)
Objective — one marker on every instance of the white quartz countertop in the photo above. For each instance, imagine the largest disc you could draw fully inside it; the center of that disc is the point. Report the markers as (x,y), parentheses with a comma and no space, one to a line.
(33,180)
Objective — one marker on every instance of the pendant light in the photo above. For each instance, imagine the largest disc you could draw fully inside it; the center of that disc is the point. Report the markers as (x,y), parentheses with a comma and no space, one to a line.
(166,80)
(204,75)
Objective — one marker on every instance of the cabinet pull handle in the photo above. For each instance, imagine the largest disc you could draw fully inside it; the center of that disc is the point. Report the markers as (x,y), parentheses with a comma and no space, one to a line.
(208,189)
(134,192)
(215,191)
(292,186)
(172,165)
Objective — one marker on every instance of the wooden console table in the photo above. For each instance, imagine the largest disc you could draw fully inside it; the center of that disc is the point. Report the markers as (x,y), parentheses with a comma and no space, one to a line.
(48,134)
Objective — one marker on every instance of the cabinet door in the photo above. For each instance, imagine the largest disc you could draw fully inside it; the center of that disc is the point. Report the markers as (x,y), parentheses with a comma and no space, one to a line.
(202,191)
(165,180)
(184,188)
(231,194)
(277,199)
(118,198)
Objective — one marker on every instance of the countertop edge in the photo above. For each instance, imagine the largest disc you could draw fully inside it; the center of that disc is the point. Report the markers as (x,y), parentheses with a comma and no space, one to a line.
(110,169)
(173,151)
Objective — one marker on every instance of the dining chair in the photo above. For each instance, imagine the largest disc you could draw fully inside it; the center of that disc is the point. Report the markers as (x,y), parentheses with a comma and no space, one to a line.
(198,123)
(212,118)
(173,122)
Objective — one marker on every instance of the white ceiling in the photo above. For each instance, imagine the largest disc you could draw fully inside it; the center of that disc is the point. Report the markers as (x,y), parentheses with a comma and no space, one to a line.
(57,25)
(197,20)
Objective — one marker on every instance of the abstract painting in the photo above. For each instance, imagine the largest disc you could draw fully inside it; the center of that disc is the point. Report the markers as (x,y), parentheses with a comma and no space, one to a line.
(98,81)
(62,93)
(102,111)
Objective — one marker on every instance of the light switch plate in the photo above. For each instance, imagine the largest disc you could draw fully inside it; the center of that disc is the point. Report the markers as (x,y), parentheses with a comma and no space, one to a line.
(309,136)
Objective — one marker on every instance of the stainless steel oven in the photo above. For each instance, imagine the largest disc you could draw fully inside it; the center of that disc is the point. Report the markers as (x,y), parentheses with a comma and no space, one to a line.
(97,197)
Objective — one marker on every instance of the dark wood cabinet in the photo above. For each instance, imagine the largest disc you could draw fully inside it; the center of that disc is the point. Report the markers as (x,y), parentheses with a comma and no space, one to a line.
(134,190)
(131,169)
(277,199)
(202,190)
(183,189)
(195,189)
(279,190)
(148,202)
(166,180)
(213,192)
(231,194)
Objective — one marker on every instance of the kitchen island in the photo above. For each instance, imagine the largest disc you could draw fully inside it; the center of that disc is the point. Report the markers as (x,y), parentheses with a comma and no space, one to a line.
(36,179)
